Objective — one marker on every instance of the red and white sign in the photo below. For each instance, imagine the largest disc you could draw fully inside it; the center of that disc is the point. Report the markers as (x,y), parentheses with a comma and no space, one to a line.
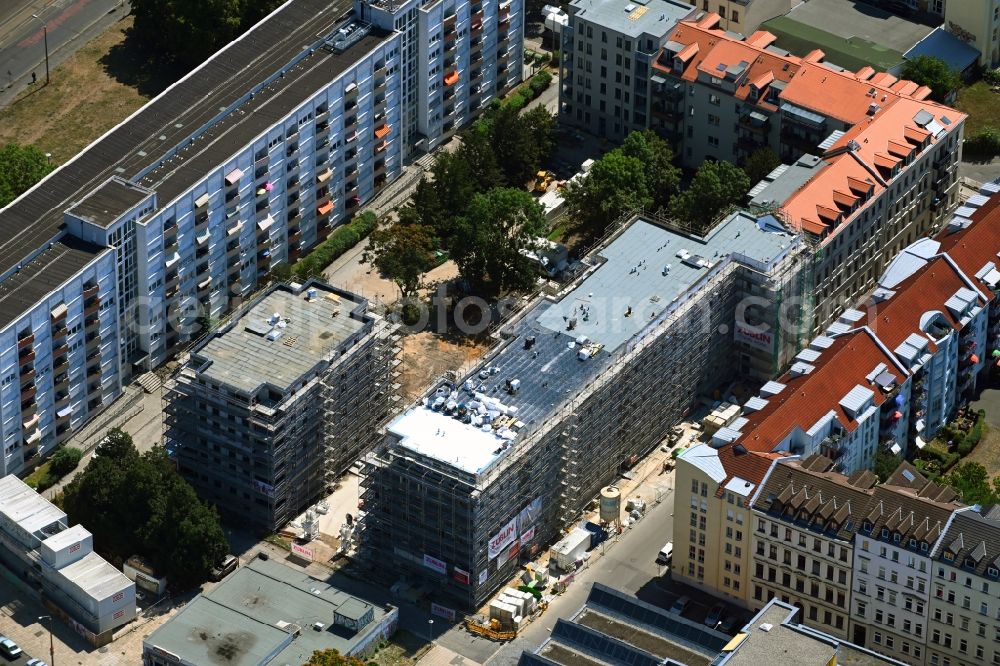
(118,614)
(442,611)
(434,563)
(75,547)
(117,596)
(754,336)
(527,536)
(506,536)
(461,575)
(302,551)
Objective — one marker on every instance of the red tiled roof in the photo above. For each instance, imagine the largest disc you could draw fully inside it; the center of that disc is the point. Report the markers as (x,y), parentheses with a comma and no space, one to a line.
(925,291)
(807,398)
(973,247)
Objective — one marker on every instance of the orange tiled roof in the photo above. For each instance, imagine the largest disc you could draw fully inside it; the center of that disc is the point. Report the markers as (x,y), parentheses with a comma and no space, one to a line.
(973,247)
(807,398)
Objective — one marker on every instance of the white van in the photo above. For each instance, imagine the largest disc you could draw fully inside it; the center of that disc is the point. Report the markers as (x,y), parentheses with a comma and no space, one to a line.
(666,555)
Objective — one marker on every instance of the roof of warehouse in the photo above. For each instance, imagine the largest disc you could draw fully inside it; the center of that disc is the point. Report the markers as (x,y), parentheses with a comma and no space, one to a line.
(243,357)
(255,613)
(25,507)
(144,139)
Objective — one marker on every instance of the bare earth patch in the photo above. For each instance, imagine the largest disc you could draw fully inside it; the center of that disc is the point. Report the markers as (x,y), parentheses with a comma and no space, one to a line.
(426,356)
(82,102)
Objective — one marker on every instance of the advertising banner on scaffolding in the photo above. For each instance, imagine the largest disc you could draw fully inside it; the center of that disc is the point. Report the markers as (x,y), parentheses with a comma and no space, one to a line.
(503,538)
(434,563)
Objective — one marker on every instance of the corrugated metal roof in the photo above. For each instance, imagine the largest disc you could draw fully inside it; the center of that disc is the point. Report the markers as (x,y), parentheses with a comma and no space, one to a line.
(25,507)
(857,398)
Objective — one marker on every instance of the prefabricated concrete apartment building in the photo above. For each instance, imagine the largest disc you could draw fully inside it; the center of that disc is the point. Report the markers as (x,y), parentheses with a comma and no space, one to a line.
(180,212)
(581,384)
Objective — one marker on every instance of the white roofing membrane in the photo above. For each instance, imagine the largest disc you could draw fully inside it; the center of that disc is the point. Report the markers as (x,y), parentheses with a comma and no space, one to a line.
(447,439)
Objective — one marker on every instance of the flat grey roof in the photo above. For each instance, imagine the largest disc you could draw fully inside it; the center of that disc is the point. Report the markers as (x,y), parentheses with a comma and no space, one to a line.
(634,17)
(542,352)
(107,203)
(243,357)
(26,508)
(95,576)
(147,138)
(784,641)
(239,622)
(786,180)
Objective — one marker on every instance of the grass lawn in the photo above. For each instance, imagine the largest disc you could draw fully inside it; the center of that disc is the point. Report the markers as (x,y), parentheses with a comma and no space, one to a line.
(987,452)
(40,471)
(853,53)
(91,92)
(401,650)
(982,105)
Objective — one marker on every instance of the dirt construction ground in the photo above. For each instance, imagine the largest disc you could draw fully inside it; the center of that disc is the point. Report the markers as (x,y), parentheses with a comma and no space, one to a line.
(426,356)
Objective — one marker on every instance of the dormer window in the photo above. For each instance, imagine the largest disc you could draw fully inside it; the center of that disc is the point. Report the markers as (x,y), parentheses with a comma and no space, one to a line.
(678,65)
(949,556)
(895,537)
(924,547)
(992,572)
(885,532)
(867,526)
(970,563)
(913,544)
(753,93)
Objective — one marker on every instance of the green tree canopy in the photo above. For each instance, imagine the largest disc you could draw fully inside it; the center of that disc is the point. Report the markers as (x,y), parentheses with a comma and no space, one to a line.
(20,168)
(402,253)
(716,186)
(972,483)
(759,164)
(885,464)
(615,184)
(489,240)
(662,177)
(933,73)
(138,504)
(190,31)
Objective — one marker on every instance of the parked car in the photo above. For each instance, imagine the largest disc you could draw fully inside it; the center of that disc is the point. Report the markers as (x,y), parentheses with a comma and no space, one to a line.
(36,662)
(9,649)
(728,624)
(224,568)
(714,616)
(680,605)
(666,554)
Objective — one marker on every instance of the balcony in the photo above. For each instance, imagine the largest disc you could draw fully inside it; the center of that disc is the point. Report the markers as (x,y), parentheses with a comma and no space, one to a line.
(28,393)
(451,78)
(383,131)
(381,147)
(380,85)
(93,340)
(379,168)
(27,377)
(31,422)
(26,356)
(351,91)
(25,341)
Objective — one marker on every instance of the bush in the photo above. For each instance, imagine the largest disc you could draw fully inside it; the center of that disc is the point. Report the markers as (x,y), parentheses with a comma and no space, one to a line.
(992,77)
(65,461)
(339,242)
(972,438)
(539,82)
(984,144)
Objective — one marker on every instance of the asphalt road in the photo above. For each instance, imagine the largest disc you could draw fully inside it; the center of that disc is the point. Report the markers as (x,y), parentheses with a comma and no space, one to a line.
(70,24)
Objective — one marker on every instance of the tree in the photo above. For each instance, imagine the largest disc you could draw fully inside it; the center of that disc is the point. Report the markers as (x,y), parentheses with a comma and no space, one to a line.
(188,32)
(716,186)
(454,186)
(490,238)
(477,152)
(885,464)
(138,504)
(933,73)
(541,128)
(514,145)
(759,164)
(402,253)
(972,483)
(20,168)
(615,184)
(331,657)
(65,460)
(662,177)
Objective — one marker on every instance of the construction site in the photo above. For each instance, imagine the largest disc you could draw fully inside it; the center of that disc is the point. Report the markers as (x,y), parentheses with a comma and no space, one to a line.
(486,470)
(272,407)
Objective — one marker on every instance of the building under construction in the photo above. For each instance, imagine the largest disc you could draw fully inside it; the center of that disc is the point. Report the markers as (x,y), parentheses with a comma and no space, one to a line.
(276,403)
(489,469)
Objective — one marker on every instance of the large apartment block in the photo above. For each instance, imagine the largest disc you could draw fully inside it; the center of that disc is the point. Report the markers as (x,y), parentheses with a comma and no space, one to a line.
(607,55)
(458,55)
(172,218)
(580,385)
(272,407)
